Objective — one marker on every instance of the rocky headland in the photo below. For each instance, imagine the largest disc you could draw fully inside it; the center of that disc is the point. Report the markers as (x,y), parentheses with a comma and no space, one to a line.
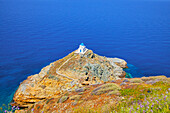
(78,81)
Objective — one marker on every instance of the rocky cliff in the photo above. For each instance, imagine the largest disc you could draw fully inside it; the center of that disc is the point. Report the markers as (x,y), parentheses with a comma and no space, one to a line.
(66,75)
(117,96)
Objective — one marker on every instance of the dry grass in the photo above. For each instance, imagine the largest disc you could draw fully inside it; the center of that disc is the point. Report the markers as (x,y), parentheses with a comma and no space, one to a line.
(115,92)
(63,99)
(136,80)
(106,88)
(75,97)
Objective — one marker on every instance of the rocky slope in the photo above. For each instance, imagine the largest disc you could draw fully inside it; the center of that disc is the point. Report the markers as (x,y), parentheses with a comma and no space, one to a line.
(68,74)
(106,97)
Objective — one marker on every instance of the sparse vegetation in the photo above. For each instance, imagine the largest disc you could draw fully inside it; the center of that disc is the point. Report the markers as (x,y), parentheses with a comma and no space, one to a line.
(81,93)
(53,77)
(75,97)
(8,108)
(147,100)
(63,99)
(137,99)
(136,81)
(48,100)
(115,92)
(106,88)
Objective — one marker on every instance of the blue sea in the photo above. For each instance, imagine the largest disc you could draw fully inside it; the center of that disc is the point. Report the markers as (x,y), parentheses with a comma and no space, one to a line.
(34,33)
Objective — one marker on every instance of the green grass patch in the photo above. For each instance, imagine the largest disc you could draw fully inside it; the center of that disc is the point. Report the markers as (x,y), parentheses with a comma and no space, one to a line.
(152,99)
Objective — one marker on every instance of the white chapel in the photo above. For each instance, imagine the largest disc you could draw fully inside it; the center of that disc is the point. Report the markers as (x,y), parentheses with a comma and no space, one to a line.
(82,49)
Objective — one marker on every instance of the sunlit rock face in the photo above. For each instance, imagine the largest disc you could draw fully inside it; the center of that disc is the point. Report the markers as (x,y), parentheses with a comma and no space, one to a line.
(66,74)
(99,96)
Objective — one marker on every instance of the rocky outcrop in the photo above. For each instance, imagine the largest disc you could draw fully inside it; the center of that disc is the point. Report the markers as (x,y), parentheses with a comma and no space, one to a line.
(97,96)
(67,74)
(120,62)
(118,65)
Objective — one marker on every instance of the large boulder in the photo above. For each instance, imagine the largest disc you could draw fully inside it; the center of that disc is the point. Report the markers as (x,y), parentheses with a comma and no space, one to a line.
(118,70)
(120,62)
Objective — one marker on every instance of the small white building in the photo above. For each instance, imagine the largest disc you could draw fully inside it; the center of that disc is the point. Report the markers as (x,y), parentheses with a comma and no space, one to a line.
(82,49)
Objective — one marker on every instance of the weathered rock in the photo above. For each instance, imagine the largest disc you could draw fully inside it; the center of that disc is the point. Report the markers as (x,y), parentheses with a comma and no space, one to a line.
(69,89)
(113,81)
(118,71)
(95,97)
(152,81)
(80,89)
(161,78)
(126,80)
(120,62)
(67,74)
(123,83)
(94,84)
(72,83)
(63,99)
(74,103)
(85,83)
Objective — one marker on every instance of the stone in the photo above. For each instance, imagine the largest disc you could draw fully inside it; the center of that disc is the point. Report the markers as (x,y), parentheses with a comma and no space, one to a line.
(118,71)
(69,90)
(94,84)
(80,90)
(63,99)
(113,81)
(152,81)
(120,62)
(74,103)
(123,83)
(126,80)
(85,83)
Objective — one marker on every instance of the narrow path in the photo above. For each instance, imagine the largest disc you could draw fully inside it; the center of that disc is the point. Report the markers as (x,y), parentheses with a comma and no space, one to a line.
(63,74)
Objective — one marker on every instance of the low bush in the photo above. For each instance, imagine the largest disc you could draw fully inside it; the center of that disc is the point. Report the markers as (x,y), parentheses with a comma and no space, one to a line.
(63,99)
(75,97)
(106,88)
(8,108)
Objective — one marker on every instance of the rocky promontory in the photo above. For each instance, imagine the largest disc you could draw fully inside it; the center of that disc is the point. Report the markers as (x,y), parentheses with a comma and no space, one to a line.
(80,81)
(66,74)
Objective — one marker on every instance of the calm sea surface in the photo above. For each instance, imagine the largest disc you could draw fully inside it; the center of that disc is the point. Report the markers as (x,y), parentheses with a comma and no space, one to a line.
(34,33)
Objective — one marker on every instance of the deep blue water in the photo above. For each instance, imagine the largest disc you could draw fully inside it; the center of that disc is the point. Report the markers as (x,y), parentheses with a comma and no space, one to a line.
(34,33)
